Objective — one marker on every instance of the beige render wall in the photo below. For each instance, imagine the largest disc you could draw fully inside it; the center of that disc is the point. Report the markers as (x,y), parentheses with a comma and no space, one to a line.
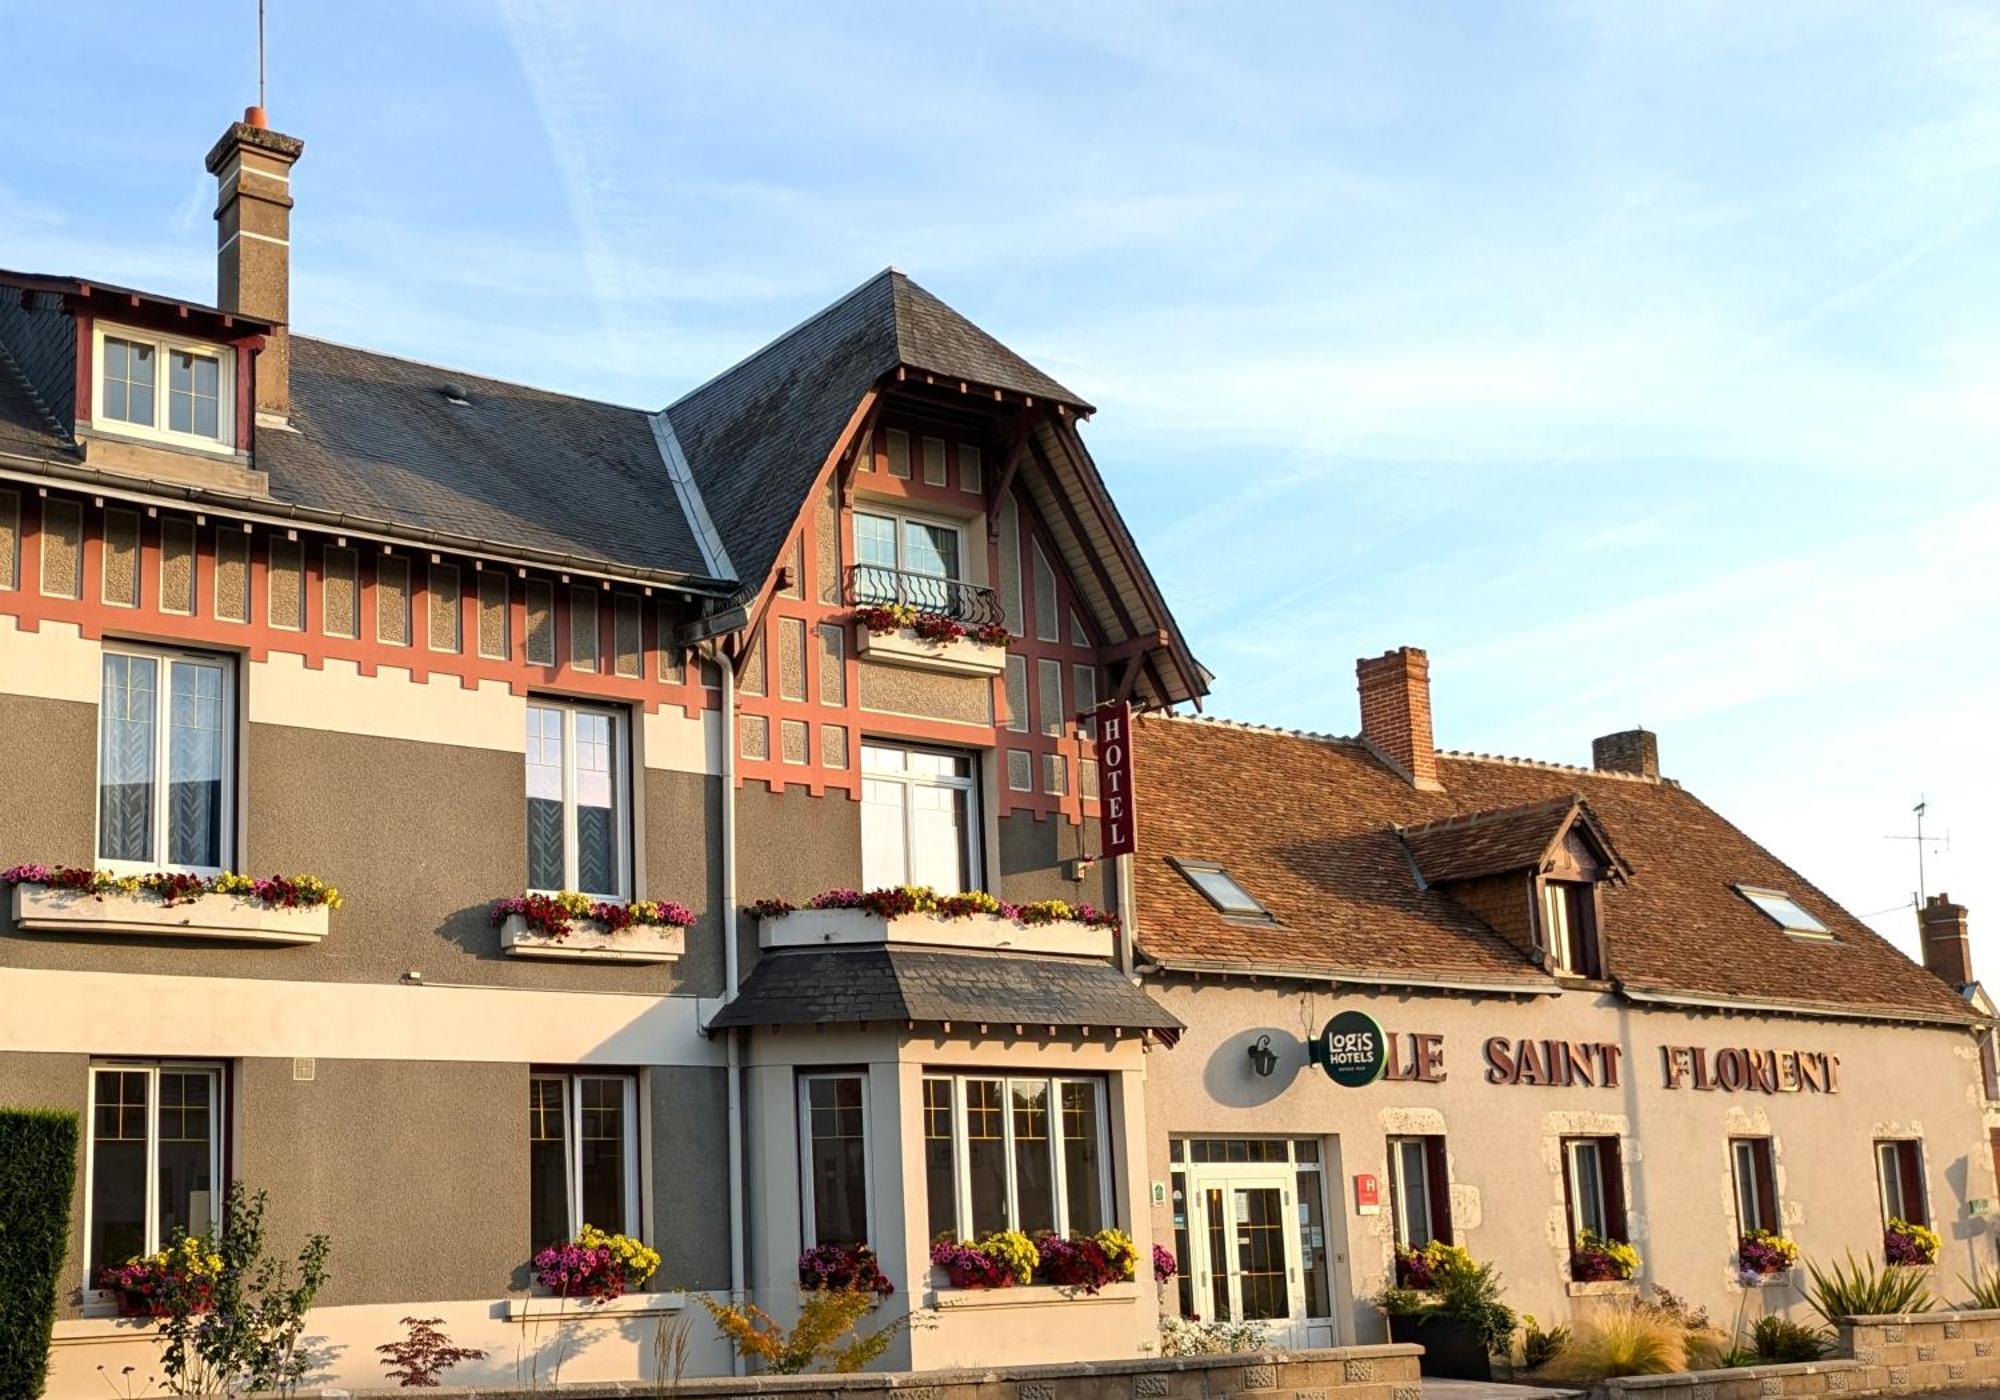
(1035,857)
(1507,1195)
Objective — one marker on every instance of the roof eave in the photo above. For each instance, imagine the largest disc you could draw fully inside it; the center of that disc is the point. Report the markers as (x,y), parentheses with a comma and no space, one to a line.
(1524,986)
(1655,995)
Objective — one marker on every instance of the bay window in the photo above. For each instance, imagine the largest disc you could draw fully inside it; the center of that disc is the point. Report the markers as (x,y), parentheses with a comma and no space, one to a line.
(583,1155)
(833,1126)
(154,385)
(920,821)
(152,1158)
(1016,1153)
(579,823)
(165,760)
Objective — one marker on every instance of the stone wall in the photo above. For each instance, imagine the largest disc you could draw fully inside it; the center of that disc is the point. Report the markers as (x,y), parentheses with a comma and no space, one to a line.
(1335,1373)
(1875,1356)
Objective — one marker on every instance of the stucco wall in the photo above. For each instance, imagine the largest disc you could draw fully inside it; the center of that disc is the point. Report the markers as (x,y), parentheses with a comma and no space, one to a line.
(1035,857)
(688,1205)
(1507,1193)
(47,748)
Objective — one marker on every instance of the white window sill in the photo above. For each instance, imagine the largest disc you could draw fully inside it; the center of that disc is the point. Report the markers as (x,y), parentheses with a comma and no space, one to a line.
(540,1308)
(903,647)
(1605,1288)
(588,941)
(814,928)
(1781,1279)
(227,917)
(1032,1296)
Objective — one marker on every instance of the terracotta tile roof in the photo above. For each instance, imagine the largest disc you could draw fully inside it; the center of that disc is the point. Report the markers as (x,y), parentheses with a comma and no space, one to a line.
(1487,843)
(1308,825)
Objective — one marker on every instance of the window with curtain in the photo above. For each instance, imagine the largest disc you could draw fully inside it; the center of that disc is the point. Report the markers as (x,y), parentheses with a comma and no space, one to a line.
(583,1154)
(579,822)
(165,760)
(154,1157)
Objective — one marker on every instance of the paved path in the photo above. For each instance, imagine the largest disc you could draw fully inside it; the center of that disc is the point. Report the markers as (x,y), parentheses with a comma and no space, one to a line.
(1437,1389)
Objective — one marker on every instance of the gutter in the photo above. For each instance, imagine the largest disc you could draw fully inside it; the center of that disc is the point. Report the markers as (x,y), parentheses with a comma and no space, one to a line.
(265,511)
(1662,996)
(1365,979)
(739,1205)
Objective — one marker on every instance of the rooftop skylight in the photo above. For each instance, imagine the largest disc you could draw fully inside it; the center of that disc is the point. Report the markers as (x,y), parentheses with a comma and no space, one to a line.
(1219,888)
(1785,912)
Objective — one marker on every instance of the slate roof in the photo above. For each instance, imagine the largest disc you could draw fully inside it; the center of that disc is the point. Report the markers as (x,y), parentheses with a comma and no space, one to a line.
(24,428)
(1489,843)
(756,435)
(377,439)
(1307,825)
(898,985)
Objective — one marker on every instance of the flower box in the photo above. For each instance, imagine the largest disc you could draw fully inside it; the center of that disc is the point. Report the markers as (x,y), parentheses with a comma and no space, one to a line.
(590,941)
(229,917)
(811,928)
(962,656)
(1030,1295)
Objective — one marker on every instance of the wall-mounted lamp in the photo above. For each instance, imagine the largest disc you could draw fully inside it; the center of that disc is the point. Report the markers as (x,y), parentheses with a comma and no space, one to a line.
(1263,1058)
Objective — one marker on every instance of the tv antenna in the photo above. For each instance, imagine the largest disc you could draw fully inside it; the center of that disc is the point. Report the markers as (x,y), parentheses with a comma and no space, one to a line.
(1923,843)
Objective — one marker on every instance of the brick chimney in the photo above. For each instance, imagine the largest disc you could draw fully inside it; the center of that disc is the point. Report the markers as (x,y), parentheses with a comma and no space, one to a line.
(1628,751)
(252,166)
(1396,712)
(1947,945)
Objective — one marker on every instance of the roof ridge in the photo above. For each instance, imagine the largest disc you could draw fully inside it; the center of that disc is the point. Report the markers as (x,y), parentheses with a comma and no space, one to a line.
(886,274)
(1552,766)
(1224,722)
(472,374)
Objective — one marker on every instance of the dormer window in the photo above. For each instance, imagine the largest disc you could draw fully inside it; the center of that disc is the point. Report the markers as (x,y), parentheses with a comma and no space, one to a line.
(1569,927)
(164,387)
(1785,912)
(1219,888)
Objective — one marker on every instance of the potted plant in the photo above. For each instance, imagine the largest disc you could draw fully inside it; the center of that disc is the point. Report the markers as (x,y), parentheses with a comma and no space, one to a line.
(843,1266)
(1599,1260)
(1765,1254)
(1909,1245)
(1003,1259)
(1457,1318)
(595,1265)
(151,1285)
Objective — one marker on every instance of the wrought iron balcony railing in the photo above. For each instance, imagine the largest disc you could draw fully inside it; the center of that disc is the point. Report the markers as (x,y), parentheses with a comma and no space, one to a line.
(969,603)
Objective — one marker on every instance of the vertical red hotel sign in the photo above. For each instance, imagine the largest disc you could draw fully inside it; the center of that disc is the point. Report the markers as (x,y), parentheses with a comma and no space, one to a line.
(1114,777)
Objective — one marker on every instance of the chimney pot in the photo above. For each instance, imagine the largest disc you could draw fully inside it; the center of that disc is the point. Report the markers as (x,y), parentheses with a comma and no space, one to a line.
(1628,751)
(1396,712)
(1946,940)
(252,166)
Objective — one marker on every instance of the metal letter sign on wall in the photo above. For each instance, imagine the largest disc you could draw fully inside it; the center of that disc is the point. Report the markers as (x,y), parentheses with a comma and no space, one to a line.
(1351,1049)
(1114,776)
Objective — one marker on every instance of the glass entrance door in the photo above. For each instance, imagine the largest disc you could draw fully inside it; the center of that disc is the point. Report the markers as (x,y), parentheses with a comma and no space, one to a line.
(1246,1245)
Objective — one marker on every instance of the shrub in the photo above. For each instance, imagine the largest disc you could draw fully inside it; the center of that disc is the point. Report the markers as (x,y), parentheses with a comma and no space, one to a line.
(1634,1339)
(827,1336)
(1856,1289)
(37,1175)
(1539,1348)
(1461,1290)
(1190,1336)
(1983,1288)
(1781,1339)
(420,1358)
(1690,1317)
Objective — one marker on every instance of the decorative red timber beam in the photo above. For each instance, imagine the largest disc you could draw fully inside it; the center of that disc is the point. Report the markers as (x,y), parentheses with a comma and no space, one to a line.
(1014,449)
(860,436)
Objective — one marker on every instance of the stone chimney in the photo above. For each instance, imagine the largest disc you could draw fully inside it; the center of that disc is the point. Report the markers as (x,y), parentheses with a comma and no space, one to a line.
(1628,751)
(1396,712)
(252,166)
(1947,945)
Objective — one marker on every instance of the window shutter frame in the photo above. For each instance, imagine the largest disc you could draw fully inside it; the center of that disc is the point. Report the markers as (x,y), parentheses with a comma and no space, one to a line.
(1909,1169)
(1611,1166)
(1437,1181)
(1767,1186)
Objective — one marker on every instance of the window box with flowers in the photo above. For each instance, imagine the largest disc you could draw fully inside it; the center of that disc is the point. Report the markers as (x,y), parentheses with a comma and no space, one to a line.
(1908,1245)
(171,904)
(1597,1260)
(574,926)
(1007,1267)
(152,1285)
(919,915)
(1766,1258)
(903,636)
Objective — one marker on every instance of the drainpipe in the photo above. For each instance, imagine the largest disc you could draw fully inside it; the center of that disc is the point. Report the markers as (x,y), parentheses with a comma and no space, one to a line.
(731,976)
(1128,912)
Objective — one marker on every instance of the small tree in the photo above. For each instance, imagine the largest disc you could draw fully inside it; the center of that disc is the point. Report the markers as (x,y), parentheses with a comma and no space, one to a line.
(37,1176)
(246,1337)
(420,1358)
(827,1335)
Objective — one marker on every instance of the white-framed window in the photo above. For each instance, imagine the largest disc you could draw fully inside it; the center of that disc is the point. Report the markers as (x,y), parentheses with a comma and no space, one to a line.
(1756,1185)
(1899,1173)
(1016,1153)
(162,386)
(834,1158)
(1594,1187)
(916,560)
(920,821)
(166,740)
(579,812)
(583,1154)
(1418,1195)
(152,1158)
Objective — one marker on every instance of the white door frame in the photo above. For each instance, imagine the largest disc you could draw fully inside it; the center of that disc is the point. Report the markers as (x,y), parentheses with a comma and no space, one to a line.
(1228,1178)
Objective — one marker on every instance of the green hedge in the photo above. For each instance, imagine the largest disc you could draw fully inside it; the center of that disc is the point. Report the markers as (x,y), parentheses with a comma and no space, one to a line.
(37,1176)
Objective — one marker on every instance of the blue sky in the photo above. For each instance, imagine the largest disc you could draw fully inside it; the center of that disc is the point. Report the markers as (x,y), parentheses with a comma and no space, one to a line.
(1638,361)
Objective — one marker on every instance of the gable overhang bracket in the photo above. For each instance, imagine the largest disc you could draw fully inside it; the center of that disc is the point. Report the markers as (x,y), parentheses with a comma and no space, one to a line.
(1016,450)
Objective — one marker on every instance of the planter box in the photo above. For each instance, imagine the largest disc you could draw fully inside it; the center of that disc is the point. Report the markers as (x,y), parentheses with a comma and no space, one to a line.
(814,928)
(903,647)
(543,1308)
(223,916)
(1451,1350)
(589,941)
(1030,1295)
